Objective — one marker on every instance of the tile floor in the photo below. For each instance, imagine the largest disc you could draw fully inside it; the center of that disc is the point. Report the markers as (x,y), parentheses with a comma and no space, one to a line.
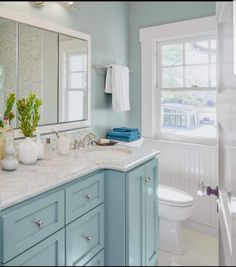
(202,251)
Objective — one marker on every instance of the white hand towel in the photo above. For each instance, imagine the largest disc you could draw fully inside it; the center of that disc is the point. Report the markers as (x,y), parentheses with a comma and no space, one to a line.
(117,83)
(108,86)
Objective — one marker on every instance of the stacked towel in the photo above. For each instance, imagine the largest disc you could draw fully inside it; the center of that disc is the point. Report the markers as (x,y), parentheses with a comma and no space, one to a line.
(124,134)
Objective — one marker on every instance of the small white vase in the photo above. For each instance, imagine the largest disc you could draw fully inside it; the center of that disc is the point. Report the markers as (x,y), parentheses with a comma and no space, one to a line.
(28,151)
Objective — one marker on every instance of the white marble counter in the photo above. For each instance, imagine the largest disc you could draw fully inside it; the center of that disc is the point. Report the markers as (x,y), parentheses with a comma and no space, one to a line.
(31,180)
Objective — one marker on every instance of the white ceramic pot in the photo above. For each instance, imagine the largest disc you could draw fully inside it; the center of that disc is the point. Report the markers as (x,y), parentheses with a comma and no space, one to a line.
(28,151)
(40,146)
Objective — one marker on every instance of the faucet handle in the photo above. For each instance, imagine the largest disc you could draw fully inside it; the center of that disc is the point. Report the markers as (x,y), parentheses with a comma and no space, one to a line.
(75,143)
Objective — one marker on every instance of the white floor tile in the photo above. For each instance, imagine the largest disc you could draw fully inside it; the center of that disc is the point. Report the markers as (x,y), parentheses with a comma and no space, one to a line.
(202,251)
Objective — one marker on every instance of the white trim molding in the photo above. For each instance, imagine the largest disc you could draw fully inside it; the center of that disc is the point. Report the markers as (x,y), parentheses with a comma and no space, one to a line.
(149,37)
(46,25)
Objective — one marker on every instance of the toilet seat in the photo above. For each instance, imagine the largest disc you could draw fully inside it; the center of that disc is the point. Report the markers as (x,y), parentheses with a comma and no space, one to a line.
(174,197)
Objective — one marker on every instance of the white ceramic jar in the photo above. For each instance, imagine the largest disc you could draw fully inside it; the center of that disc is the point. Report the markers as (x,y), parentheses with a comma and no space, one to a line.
(28,151)
(63,145)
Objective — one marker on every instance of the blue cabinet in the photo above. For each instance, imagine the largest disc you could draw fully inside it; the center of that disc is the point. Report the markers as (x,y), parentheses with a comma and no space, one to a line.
(50,252)
(82,196)
(105,218)
(98,260)
(85,237)
(133,214)
(150,214)
(30,223)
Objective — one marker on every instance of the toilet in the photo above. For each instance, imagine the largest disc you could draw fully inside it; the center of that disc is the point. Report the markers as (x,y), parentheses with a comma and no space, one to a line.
(174,207)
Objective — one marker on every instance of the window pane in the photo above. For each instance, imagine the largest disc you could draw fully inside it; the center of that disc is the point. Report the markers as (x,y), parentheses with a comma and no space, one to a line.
(196,52)
(77,81)
(213,75)
(77,62)
(213,51)
(196,76)
(172,55)
(75,106)
(189,113)
(172,77)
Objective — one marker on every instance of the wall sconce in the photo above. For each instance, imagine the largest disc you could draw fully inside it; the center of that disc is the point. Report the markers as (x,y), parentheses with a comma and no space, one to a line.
(68,4)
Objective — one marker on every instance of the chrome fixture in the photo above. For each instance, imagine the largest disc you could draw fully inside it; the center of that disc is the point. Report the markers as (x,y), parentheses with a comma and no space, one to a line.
(88,140)
(68,4)
(103,67)
(38,3)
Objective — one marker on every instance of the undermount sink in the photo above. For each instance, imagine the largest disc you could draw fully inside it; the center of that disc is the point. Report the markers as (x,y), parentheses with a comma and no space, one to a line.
(110,152)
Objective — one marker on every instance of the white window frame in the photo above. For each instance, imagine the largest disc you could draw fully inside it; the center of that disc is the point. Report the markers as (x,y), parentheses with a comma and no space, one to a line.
(151,98)
(65,48)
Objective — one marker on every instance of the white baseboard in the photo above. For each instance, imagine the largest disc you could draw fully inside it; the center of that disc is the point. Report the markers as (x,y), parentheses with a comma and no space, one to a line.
(201,228)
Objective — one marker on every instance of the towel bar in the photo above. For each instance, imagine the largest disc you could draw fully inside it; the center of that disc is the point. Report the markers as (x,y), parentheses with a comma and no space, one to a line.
(99,67)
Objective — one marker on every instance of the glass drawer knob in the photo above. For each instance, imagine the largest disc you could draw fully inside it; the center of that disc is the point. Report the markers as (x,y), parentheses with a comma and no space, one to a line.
(39,223)
(88,238)
(88,196)
(148,179)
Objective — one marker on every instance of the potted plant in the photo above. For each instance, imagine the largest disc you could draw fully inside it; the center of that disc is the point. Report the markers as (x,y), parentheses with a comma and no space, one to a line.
(8,113)
(5,121)
(28,116)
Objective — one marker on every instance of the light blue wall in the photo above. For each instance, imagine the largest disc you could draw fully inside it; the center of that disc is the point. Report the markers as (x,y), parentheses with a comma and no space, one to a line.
(107,22)
(145,14)
(114,29)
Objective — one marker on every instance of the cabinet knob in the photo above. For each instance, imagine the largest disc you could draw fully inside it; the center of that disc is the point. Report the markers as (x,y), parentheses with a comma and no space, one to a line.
(88,238)
(39,223)
(88,196)
(148,179)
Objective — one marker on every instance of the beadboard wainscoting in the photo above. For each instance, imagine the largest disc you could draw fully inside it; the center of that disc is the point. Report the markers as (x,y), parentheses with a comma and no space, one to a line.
(183,166)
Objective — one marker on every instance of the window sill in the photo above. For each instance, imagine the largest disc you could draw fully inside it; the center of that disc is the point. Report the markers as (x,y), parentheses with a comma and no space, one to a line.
(189,140)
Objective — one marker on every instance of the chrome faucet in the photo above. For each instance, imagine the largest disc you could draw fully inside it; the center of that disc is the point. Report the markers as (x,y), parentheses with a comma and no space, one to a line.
(88,140)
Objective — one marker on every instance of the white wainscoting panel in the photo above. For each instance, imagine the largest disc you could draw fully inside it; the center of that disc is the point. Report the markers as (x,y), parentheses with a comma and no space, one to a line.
(183,166)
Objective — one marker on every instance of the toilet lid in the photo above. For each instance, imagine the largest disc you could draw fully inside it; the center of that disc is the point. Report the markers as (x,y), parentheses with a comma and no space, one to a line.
(173,196)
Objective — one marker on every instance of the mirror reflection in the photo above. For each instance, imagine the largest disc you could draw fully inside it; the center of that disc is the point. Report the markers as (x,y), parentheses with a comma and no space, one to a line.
(8,66)
(52,65)
(38,61)
(73,75)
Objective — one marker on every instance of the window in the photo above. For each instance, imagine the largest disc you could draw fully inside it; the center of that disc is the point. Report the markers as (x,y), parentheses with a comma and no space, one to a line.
(75,85)
(187,83)
(73,92)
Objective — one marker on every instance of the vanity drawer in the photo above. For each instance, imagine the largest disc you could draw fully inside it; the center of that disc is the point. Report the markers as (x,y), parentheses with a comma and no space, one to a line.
(84,196)
(85,237)
(98,260)
(27,225)
(50,252)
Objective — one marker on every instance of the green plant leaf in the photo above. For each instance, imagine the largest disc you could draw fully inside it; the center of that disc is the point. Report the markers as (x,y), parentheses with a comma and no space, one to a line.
(28,114)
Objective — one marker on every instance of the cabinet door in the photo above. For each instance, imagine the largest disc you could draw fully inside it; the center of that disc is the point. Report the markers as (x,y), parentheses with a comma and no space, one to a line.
(85,237)
(151,213)
(136,220)
(50,252)
(98,260)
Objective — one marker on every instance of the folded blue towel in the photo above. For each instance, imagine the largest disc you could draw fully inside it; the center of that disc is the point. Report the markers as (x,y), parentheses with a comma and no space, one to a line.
(123,134)
(126,129)
(124,139)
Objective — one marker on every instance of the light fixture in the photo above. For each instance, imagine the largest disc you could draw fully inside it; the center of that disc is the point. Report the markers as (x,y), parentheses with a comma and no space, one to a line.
(38,3)
(68,4)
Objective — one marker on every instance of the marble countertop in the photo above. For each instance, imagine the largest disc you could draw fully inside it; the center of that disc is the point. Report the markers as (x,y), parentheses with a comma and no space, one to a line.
(31,180)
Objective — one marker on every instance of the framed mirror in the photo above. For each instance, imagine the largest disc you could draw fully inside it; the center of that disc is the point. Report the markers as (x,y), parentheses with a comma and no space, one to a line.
(51,61)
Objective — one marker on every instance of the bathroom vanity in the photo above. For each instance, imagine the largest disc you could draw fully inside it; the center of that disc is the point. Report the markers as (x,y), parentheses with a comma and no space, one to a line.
(94,207)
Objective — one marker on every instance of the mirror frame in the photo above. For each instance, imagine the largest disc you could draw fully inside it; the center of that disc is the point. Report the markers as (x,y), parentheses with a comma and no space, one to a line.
(46,25)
